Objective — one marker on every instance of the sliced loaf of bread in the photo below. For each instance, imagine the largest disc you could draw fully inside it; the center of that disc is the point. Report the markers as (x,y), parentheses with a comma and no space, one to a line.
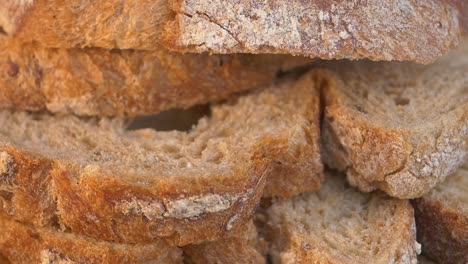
(118,82)
(338,224)
(413,30)
(398,127)
(442,220)
(95,177)
(24,244)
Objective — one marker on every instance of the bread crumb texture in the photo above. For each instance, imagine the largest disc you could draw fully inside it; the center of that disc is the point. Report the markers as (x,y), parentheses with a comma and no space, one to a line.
(338,224)
(96,177)
(398,127)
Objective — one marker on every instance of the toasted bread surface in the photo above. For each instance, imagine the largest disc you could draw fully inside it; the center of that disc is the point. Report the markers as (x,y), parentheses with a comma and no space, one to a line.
(398,127)
(96,178)
(126,82)
(25,244)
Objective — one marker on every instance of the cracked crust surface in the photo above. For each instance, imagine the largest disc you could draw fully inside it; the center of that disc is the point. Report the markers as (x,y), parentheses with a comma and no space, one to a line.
(184,187)
(398,127)
(442,219)
(24,244)
(404,30)
(126,82)
(338,224)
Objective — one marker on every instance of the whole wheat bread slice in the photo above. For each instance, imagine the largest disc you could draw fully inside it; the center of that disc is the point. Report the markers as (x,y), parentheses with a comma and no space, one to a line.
(411,30)
(442,220)
(338,224)
(398,127)
(24,244)
(102,82)
(99,179)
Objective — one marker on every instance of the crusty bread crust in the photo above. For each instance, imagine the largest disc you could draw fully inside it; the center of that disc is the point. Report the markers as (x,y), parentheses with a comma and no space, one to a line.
(24,244)
(47,191)
(108,24)
(412,30)
(102,82)
(377,134)
(419,31)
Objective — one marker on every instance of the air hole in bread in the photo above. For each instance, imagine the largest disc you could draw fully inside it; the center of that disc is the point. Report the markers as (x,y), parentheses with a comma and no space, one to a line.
(402,101)
(2,31)
(176,119)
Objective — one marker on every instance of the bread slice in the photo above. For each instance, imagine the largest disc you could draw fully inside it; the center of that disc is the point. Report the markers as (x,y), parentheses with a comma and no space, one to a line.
(117,82)
(96,178)
(442,219)
(338,224)
(239,248)
(25,244)
(398,127)
(413,30)
(419,31)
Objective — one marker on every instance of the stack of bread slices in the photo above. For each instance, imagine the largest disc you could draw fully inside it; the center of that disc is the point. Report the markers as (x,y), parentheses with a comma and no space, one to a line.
(219,131)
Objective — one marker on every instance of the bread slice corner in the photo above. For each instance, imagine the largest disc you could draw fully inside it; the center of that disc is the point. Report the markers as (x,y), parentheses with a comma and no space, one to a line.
(338,224)
(442,219)
(97,178)
(398,127)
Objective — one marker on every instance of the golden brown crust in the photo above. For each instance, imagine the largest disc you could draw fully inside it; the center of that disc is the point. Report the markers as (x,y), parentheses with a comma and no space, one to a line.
(48,191)
(24,244)
(419,31)
(442,231)
(108,24)
(384,144)
(93,205)
(102,82)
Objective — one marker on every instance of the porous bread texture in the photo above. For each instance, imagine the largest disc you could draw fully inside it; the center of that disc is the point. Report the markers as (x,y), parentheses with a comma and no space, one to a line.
(25,244)
(442,220)
(126,82)
(238,248)
(338,224)
(398,127)
(110,24)
(408,30)
(97,178)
